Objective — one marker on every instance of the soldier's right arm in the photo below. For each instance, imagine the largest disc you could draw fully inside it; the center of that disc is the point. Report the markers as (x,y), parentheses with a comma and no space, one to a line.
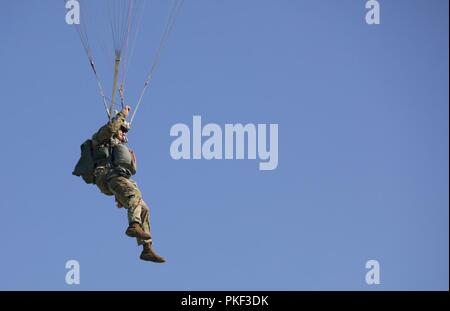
(108,130)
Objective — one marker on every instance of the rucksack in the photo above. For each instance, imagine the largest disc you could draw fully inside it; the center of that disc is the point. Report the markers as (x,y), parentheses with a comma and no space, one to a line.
(85,165)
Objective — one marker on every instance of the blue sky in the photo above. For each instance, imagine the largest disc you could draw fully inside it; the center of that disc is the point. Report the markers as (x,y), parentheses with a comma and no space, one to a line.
(363,149)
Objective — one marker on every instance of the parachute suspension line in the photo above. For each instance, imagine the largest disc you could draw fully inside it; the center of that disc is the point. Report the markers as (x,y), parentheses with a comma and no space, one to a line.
(129,31)
(82,32)
(99,84)
(113,16)
(111,21)
(124,23)
(134,8)
(125,45)
(168,29)
(121,14)
(126,29)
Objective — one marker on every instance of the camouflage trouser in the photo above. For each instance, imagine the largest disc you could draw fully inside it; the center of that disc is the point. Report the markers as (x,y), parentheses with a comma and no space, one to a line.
(100,180)
(128,194)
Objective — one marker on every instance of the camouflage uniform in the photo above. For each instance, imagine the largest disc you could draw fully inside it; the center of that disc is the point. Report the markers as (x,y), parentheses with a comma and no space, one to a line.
(116,180)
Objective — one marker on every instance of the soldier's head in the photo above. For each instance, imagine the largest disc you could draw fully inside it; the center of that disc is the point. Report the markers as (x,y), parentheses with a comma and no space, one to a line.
(122,133)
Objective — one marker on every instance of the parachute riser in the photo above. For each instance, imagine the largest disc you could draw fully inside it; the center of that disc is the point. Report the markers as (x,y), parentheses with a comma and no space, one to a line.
(116,77)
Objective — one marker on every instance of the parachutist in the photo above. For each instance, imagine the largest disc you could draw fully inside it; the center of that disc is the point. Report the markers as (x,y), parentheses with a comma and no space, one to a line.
(105,160)
(108,163)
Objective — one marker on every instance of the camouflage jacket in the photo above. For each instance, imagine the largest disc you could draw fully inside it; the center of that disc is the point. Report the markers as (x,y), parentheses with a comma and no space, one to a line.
(106,136)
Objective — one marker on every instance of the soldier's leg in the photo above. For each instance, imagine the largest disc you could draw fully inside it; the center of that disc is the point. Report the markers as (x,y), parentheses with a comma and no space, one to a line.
(128,194)
(148,254)
(139,212)
(145,218)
